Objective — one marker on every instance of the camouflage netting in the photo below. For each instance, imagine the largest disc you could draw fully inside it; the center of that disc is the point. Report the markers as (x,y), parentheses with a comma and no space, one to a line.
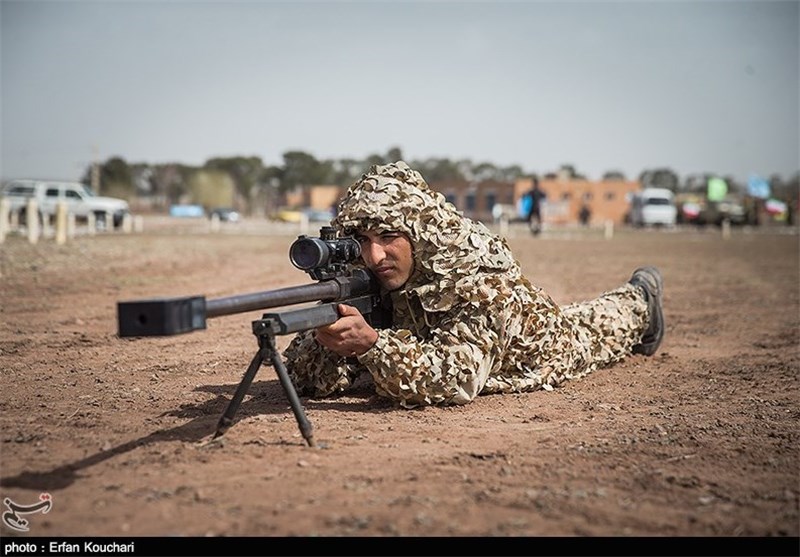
(467,322)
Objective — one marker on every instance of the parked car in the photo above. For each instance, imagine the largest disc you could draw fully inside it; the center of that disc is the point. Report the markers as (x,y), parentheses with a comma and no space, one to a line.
(225,214)
(296,215)
(79,199)
(730,208)
(319,215)
(700,211)
(653,207)
(187,211)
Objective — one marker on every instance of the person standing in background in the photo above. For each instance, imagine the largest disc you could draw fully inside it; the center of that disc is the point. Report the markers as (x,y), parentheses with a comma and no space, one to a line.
(535,199)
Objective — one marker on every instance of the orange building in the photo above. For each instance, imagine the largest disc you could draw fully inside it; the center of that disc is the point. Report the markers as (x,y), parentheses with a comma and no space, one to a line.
(321,197)
(606,200)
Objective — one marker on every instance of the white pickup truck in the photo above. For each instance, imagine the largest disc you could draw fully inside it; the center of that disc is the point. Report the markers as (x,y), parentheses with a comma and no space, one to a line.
(79,199)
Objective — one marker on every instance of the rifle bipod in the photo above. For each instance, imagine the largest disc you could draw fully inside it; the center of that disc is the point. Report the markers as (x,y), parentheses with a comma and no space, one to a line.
(264,329)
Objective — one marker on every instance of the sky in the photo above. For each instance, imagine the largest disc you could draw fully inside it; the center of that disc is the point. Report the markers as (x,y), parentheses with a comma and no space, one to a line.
(696,86)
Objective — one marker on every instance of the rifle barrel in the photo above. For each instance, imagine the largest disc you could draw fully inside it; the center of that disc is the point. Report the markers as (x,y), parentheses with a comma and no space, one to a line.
(171,316)
(240,303)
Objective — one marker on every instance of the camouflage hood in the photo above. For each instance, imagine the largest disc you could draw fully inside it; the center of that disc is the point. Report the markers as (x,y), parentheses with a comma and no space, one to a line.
(450,251)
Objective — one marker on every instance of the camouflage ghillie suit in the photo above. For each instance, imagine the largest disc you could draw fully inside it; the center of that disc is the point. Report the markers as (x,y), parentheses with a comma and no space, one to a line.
(466,322)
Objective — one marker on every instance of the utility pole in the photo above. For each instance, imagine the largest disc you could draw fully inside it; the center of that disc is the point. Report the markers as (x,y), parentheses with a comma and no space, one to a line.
(95,170)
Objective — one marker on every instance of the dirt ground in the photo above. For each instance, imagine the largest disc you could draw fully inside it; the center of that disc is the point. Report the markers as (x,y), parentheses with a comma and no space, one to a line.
(699,440)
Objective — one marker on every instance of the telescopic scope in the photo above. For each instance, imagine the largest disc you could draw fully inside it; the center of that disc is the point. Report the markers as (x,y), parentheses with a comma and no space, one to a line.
(309,253)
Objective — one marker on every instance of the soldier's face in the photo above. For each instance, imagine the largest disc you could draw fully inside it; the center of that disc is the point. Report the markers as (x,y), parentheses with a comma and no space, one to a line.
(388,255)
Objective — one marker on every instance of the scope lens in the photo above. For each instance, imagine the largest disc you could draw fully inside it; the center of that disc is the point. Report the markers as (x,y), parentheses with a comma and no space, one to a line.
(309,253)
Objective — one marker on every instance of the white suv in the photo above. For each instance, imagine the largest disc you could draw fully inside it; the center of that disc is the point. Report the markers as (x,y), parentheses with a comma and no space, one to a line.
(654,207)
(80,200)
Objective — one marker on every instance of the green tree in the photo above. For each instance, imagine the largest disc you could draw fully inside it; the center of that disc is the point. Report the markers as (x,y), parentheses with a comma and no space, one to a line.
(510,173)
(394,154)
(484,171)
(116,179)
(568,170)
(660,178)
(438,170)
(272,176)
(301,169)
(246,173)
(614,176)
(465,169)
(374,159)
(347,171)
(141,174)
(733,185)
(169,182)
(695,183)
(326,172)
(267,195)
(211,188)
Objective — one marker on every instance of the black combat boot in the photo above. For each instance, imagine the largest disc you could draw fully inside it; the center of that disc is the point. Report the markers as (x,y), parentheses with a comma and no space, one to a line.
(650,281)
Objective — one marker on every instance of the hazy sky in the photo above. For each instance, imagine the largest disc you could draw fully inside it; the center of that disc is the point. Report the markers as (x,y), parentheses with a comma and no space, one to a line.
(695,86)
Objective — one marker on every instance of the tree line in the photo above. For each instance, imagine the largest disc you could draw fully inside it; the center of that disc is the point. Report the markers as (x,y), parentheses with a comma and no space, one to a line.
(255,184)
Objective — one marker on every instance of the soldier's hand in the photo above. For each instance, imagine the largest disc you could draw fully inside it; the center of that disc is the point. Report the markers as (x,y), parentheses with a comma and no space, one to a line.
(350,335)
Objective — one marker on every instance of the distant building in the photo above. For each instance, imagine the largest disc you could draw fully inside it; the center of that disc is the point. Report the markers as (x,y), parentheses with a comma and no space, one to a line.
(607,200)
(321,197)
(476,199)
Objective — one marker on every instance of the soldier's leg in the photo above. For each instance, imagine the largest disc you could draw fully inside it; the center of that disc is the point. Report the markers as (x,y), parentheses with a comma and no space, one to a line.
(612,324)
(576,339)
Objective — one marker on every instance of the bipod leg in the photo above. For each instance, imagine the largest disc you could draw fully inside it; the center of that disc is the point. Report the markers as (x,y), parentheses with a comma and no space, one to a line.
(291,393)
(226,420)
